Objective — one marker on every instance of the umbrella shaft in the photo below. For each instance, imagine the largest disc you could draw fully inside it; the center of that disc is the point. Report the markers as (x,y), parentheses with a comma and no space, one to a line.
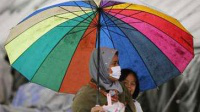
(98,56)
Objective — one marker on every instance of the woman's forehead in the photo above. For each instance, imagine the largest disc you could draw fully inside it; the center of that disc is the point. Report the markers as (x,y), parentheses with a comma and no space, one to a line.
(131,77)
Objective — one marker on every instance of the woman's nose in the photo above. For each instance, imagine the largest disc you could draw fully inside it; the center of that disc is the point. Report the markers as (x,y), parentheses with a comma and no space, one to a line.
(128,85)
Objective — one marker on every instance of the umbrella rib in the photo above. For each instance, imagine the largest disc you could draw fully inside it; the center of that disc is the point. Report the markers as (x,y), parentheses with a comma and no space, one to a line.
(125,23)
(159,30)
(108,32)
(92,25)
(122,27)
(92,11)
(54,48)
(137,52)
(109,36)
(82,10)
(87,34)
(90,3)
(130,15)
(106,3)
(69,19)
(74,13)
(78,31)
(119,11)
(118,2)
(71,26)
(76,26)
(111,8)
(116,33)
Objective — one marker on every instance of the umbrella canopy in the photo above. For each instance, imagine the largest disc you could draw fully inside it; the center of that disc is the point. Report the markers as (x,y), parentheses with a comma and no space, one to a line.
(52,46)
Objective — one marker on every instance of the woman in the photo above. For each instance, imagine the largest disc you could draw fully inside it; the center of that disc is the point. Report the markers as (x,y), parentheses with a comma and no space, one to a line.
(85,99)
(130,80)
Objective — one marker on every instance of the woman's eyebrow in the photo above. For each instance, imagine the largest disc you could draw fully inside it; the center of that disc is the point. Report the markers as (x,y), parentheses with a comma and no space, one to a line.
(116,61)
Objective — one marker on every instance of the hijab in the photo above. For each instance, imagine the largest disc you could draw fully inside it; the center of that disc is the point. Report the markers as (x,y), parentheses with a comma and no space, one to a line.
(106,56)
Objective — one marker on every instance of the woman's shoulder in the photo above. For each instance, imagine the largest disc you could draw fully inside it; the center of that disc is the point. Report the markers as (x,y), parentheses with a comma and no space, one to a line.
(85,99)
(84,92)
(86,89)
(82,100)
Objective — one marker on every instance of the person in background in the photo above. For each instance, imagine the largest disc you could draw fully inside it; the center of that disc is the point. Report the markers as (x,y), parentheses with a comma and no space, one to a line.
(130,80)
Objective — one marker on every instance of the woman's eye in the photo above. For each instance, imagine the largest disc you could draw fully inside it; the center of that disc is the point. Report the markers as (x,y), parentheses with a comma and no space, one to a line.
(126,83)
(115,64)
(133,84)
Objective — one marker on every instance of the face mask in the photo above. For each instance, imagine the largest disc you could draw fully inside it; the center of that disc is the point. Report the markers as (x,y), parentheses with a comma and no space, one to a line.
(116,72)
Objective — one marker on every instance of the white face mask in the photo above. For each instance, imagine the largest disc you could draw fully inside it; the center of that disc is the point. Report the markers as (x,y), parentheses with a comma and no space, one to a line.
(116,72)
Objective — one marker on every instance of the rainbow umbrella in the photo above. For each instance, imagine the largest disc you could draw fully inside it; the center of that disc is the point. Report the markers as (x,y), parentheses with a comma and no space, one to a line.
(52,46)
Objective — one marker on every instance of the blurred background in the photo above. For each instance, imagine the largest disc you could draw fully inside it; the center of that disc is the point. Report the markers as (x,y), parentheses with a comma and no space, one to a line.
(181,94)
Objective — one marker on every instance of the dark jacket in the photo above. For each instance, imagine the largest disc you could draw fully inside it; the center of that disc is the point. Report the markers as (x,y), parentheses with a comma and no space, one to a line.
(85,99)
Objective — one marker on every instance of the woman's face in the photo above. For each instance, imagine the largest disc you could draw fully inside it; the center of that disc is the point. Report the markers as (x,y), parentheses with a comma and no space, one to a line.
(114,62)
(130,83)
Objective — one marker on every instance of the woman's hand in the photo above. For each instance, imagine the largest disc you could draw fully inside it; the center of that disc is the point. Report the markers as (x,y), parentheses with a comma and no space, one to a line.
(97,109)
